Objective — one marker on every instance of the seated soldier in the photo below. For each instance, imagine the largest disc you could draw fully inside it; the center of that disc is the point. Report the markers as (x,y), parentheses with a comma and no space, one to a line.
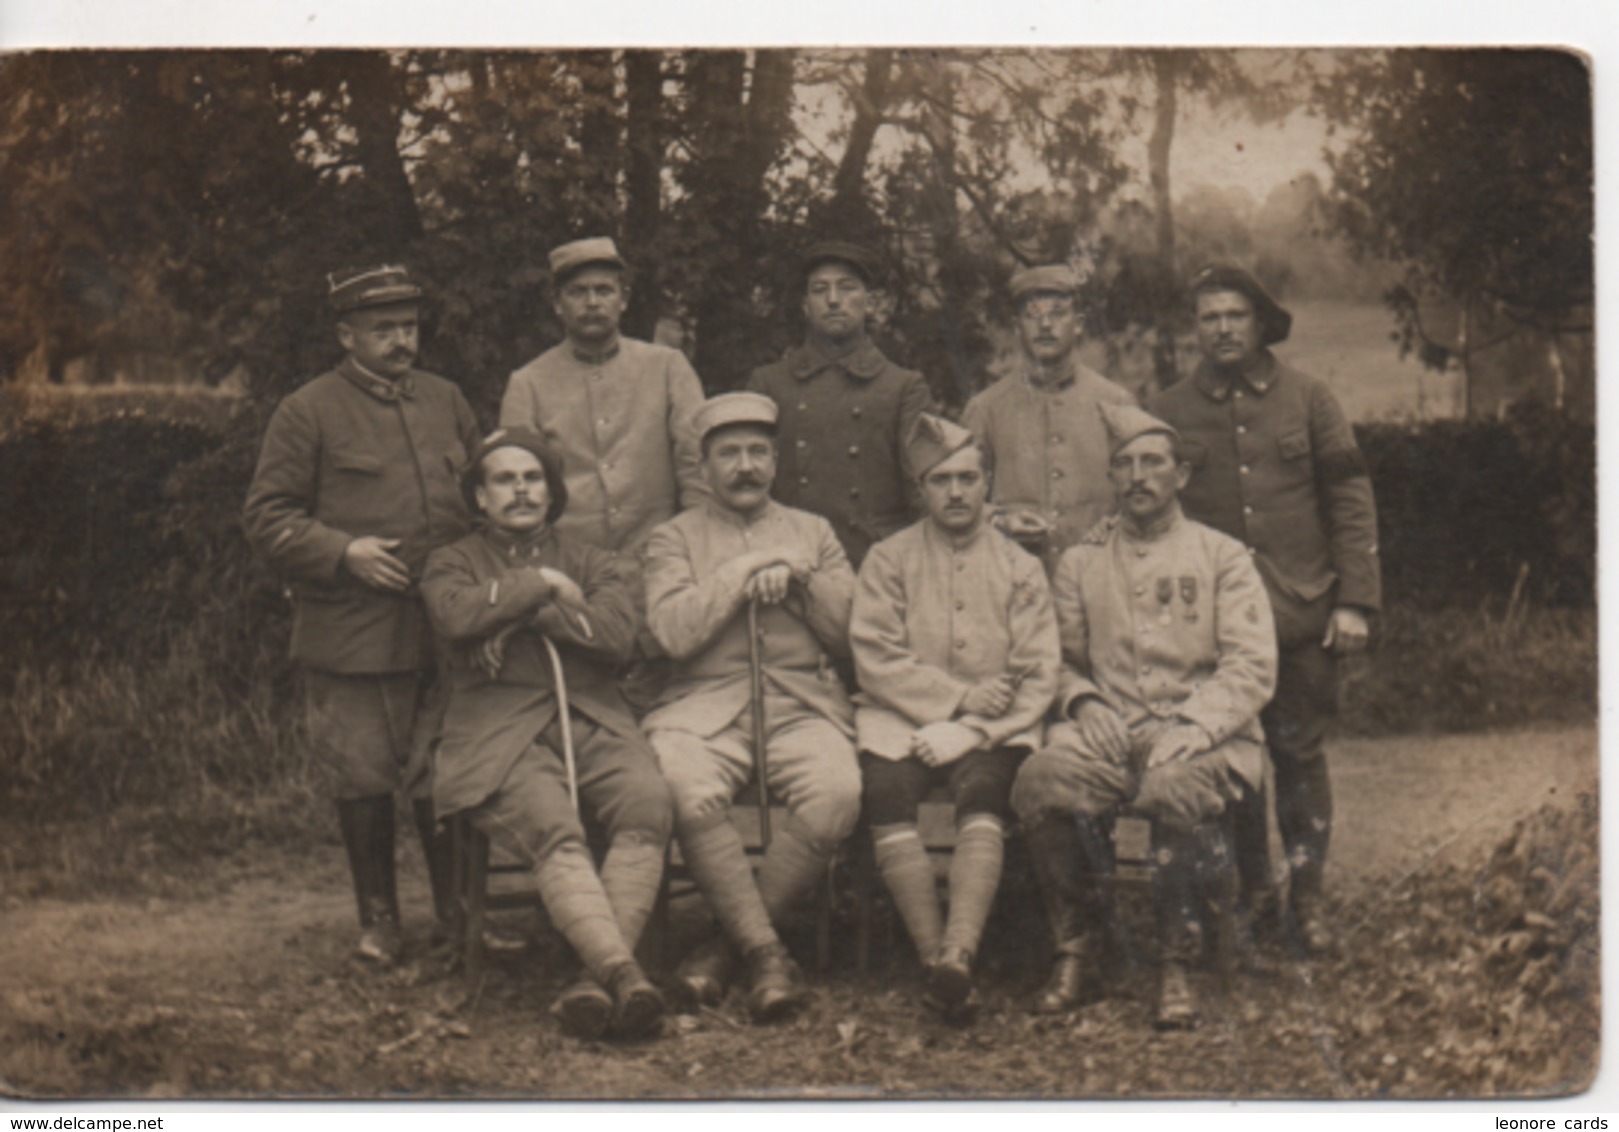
(704,569)
(956,647)
(495,598)
(1170,655)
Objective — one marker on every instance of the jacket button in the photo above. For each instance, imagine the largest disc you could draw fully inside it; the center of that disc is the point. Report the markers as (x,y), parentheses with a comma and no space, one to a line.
(960,605)
(854,493)
(1241,429)
(1247,510)
(854,449)
(802,407)
(854,411)
(1243,469)
(961,644)
(803,444)
(803,481)
(1056,473)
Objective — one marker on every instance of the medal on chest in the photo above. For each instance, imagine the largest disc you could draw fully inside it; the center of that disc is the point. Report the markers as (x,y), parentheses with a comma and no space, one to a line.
(1166,595)
(1189,596)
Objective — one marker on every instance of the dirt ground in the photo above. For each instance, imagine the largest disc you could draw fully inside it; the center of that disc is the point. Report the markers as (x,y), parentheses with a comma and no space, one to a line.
(1464,869)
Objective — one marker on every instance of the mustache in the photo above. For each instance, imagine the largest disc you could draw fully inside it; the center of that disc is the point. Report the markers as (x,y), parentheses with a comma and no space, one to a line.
(746,479)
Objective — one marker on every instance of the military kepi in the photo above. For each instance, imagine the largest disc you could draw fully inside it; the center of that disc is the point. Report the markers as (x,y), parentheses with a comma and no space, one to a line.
(370,287)
(932,441)
(1275,323)
(863,262)
(1051,279)
(1125,423)
(568,258)
(732,409)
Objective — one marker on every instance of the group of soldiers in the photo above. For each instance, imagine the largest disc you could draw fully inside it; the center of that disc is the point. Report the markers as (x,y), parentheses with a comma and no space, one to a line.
(629,601)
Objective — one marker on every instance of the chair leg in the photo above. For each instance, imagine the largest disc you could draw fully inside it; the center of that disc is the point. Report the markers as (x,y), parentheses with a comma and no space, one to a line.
(471,852)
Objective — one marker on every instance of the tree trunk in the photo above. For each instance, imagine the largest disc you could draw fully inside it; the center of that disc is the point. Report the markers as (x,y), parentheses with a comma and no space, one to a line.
(375,98)
(1166,66)
(643,190)
(600,140)
(847,209)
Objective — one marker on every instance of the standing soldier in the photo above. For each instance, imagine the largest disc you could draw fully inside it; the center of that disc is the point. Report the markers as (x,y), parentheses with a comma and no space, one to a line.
(358,480)
(1275,465)
(713,573)
(1170,654)
(845,408)
(1039,422)
(956,646)
(619,412)
(505,755)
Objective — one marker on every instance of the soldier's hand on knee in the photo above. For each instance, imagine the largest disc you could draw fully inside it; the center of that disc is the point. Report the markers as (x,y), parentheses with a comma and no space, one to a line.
(1347,632)
(1176,744)
(369,559)
(1103,730)
(990,699)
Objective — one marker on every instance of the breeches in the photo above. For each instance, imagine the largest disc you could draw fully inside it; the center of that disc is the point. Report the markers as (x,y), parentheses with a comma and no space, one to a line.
(530,815)
(1301,712)
(980,782)
(374,733)
(1067,777)
(809,762)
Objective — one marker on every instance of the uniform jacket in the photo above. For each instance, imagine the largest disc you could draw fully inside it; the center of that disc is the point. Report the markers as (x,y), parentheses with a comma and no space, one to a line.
(841,436)
(622,422)
(347,456)
(932,619)
(697,611)
(482,584)
(1275,466)
(1050,449)
(1169,626)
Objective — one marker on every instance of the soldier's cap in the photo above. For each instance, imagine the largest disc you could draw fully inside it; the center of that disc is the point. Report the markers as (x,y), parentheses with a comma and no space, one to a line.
(1124,423)
(530,441)
(735,409)
(381,286)
(864,262)
(932,441)
(1275,323)
(1050,279)
(569,258)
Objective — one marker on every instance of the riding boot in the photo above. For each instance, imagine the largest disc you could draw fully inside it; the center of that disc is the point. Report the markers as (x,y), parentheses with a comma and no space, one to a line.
(368,837)
(1305,815)
(1053,847)
(440,872)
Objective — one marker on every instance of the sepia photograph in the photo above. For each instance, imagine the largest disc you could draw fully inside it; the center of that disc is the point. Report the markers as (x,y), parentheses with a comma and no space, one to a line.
(798,573)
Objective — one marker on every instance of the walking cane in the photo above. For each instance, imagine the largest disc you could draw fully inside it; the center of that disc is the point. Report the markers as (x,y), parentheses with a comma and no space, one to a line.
(756,672)
(567,723)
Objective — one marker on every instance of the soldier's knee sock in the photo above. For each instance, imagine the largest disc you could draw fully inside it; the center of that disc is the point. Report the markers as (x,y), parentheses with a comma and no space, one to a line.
(793,865)
(719,865)
(908,873)
(578,906)
(975,874)
(631,874)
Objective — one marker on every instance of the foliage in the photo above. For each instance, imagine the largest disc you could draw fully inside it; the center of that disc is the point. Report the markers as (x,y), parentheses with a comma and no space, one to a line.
(1473,170)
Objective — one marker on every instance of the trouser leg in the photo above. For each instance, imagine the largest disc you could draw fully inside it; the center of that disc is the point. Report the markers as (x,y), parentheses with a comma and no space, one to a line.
(1304,813)
(440,867)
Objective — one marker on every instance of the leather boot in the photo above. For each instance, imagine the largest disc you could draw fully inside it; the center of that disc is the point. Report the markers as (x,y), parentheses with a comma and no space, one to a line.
(950,983)
(637,1005)
(584,1008)
(368,836)
(440,872)
(1054,851)
(776,984)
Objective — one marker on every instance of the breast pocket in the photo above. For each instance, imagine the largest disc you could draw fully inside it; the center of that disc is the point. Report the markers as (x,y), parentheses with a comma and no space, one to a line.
(1294,446)
(356,463)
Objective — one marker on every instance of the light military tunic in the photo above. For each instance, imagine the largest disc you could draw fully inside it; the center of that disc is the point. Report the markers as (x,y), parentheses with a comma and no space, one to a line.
(1050,449)
(622,420)
(932,618)
(1171,626)
(697,610)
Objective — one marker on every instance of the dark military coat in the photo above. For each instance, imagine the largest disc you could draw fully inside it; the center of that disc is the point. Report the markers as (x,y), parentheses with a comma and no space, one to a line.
(1275,466)
(351,455)
(841,438)
(488,581)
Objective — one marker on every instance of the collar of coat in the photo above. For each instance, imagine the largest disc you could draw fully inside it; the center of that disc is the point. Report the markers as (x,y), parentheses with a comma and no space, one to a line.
(375,384)
(864,360)
(1258,374)
(734,518)
(1055,383)
(519,544)
(1154,530)
(597,357)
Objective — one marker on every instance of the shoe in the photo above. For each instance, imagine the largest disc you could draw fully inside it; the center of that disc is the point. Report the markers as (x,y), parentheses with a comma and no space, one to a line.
(1177,1005)
(637,1005)
(777,986)
(584,1009)
(381,941)
(950,980)
(1064,990)
(704,974)
(496,940)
